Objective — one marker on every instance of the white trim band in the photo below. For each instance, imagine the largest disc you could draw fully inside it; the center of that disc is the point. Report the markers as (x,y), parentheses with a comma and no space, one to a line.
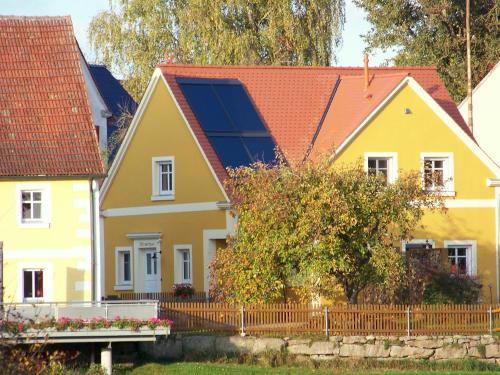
(470,203)
(161,209)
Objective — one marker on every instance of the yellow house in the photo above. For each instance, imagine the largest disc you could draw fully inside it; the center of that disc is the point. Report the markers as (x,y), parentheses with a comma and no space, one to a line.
(164,207)
(49,165)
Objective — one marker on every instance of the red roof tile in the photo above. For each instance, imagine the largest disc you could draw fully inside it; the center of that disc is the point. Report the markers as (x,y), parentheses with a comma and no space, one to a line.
(293,100)
(351,105)
(46,126)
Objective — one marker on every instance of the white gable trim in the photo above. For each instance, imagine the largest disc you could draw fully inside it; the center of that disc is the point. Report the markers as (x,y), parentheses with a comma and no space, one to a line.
(193,135)
(128,137)
(157,75)
(365,122)
(438,110)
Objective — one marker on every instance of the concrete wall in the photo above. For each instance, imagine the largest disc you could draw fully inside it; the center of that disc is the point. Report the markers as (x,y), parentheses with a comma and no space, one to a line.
(485,348)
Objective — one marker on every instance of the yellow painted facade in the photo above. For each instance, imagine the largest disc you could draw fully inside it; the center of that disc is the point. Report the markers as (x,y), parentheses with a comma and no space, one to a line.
(473,211)
(135,221)
(60,246)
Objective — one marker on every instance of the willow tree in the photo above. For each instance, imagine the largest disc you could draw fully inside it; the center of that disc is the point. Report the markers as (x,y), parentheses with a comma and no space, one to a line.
(313,228)
(134,35)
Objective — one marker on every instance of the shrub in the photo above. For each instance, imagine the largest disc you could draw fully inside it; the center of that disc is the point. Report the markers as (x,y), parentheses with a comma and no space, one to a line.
(183,290)
(446,288)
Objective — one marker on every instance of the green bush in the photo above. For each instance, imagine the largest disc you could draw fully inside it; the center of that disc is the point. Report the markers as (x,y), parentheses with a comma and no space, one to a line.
(446,288)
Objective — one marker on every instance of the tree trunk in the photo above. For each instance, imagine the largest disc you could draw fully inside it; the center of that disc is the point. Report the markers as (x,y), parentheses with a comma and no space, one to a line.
(353,298)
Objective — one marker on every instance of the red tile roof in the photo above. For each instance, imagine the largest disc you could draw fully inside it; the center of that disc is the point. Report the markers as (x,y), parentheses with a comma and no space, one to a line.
(293,100)
(351,105)
(46,126)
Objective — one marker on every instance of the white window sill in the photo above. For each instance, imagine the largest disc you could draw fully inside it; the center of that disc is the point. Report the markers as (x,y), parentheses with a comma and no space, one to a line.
(443,193)
(123,287)
(169,197)
(33,300)
(184,282)
(34,224)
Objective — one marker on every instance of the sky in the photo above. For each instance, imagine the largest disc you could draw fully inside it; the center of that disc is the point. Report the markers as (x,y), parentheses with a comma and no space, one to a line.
(82,12)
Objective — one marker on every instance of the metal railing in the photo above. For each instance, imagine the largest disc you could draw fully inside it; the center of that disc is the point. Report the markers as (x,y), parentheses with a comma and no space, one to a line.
(139,309)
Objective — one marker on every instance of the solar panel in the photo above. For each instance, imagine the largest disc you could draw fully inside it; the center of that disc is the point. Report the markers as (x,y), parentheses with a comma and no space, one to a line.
(231,151)
(260,148)
(207,108)
(240,108)
(229,119)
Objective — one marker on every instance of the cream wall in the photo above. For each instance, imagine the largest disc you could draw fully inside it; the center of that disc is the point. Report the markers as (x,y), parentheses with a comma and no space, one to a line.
(485,99)
(409,135)
(193,217)
(62,248)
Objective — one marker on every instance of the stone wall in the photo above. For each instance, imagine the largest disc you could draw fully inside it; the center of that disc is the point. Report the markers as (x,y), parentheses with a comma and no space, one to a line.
(376,347)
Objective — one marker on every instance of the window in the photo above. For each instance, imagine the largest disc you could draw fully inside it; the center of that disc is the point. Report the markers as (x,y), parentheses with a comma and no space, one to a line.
(163,178)
(462,257)
(183,265)
(418,244)
(438,172)
(384,164)
(457,257)
(32,284)
(186,265)
(123,267)
(31,206)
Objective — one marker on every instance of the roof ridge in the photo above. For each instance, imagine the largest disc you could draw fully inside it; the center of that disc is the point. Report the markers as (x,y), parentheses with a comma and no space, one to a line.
(66,18)
(384,75)
(290,67)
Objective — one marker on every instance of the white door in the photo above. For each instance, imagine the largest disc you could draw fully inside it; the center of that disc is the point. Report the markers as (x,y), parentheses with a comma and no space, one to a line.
(151,269)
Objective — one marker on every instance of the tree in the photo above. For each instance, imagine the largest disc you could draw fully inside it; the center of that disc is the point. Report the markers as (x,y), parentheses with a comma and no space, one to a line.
(133,35)
(432,32)
(314,227)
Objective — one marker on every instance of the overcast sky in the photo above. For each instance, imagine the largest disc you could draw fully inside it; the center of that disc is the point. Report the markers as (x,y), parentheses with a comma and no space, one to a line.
(82,12)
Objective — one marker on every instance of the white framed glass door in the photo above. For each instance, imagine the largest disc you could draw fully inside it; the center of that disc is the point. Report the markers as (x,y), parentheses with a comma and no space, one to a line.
(151,269)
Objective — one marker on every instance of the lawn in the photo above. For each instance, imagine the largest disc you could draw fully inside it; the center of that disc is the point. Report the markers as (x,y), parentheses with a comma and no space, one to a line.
(199,368)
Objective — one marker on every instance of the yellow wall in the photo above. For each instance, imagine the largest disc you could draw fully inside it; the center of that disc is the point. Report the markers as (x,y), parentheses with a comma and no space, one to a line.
(423,131)
(162,132)
(176,229)
(63,248)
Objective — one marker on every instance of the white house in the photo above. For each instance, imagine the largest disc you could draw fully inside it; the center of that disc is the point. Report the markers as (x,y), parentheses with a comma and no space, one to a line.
(485,98)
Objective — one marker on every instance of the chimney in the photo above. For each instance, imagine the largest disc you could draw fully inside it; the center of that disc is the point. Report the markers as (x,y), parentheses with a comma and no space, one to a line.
(365,60)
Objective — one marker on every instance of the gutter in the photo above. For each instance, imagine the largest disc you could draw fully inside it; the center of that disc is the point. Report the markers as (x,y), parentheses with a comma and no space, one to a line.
(95,235)
(493,182)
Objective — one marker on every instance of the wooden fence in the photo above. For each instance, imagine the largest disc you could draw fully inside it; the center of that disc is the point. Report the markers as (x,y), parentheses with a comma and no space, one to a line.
(339,320)
(199,315)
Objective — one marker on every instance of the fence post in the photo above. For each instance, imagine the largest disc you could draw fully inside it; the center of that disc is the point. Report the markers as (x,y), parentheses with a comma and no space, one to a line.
(242,319)
(106,310)
(490,320)
(408,321)
(326,322)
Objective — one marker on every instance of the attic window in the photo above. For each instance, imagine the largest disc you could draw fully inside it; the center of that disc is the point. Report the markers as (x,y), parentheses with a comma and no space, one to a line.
(163,179)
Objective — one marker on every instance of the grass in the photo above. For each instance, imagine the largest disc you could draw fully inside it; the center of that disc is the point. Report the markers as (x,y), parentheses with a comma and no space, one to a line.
(347,368)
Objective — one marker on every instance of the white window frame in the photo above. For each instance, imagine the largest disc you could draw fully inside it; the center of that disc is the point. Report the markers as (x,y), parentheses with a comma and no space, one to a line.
(34,298)
(179,263)
(448,171)
(46,210)
(120,283)
(157,193)
(416,241)
(48,275)
(392,163)
(471,253)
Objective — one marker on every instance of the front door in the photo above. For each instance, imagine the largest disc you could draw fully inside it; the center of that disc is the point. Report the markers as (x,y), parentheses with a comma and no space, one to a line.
(151,261)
